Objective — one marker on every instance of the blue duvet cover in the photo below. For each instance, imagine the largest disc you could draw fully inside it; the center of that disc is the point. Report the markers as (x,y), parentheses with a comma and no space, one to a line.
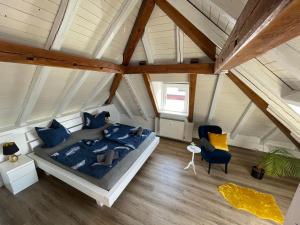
(82,156)
(122,134)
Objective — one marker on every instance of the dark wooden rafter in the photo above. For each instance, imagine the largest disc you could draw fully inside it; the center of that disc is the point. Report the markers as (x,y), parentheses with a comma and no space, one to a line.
(192,93)
(138,29)
(262,25)
(262,105)
(17,53)
(201,68)
(150,91)
(203,42)
(115,84)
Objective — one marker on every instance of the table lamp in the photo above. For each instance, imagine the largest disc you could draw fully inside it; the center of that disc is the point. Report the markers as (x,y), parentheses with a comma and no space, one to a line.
(10,149)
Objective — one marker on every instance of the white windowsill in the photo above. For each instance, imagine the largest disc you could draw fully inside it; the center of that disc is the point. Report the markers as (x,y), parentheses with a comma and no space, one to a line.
(173,115)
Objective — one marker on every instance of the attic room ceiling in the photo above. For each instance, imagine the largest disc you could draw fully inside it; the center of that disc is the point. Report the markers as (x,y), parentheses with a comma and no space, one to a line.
(101,29)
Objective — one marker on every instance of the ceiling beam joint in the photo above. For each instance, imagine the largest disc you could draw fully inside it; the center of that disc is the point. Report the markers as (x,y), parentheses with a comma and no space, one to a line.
(261,26)
(138,29)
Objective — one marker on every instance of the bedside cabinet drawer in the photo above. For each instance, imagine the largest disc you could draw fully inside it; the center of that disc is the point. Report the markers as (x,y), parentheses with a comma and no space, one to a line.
(21,171)
(23,182)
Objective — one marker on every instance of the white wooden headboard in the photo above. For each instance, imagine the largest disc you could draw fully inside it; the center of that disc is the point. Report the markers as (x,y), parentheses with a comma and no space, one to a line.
(26,137)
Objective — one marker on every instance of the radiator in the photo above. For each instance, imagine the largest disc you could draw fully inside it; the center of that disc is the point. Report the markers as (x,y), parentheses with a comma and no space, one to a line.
(175,129)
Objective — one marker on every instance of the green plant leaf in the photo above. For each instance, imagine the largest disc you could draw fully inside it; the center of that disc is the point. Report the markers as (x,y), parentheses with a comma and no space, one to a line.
(279,162)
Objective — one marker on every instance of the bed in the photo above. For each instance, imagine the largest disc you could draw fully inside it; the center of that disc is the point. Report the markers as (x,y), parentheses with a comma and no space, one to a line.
(109,187)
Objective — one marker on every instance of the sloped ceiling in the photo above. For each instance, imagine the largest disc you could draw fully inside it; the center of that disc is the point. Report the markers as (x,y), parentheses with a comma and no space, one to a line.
(91,21)
(30,22)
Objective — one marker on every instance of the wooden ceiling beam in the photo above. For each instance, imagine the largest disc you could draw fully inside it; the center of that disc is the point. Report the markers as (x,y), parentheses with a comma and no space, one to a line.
(138,29)
(121,16)
(116,24)
(149,87)
(262,25)
(17,53)
(262,105)
(200,39)
(201,68)
(192,94)
(62,22)
(114,86)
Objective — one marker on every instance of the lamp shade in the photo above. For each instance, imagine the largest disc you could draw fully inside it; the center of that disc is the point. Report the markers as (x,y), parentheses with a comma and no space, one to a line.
(10,148)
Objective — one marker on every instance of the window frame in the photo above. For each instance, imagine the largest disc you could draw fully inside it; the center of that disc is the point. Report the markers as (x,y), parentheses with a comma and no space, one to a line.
(165,85)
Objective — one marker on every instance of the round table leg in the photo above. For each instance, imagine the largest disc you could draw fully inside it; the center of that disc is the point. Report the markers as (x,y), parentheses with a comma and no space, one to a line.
(191,163)
(194,168)
(188,166)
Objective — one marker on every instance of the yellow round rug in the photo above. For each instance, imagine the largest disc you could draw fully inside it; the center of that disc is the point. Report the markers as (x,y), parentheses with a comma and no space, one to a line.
(260,204)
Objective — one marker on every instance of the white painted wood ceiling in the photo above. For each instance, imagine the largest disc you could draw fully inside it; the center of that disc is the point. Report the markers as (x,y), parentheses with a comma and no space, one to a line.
(92,25)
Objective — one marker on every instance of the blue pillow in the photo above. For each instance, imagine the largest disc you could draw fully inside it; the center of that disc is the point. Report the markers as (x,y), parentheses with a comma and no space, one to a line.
(53,135)
(56,125)
(92,122)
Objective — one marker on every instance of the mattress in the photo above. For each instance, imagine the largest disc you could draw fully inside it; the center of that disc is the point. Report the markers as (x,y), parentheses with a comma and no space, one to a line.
(113,176)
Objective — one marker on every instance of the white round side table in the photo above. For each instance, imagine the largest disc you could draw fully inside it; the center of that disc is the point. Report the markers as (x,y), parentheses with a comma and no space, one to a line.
(194,149)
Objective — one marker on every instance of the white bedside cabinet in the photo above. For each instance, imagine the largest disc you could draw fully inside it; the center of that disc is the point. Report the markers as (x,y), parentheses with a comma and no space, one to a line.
(18,175)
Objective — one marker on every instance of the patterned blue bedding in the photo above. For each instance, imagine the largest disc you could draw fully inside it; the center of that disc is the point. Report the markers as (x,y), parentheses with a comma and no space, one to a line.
(123,134)
(82,156)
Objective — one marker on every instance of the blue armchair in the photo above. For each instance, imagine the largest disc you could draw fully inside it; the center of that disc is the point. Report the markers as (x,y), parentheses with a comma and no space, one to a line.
(217,156)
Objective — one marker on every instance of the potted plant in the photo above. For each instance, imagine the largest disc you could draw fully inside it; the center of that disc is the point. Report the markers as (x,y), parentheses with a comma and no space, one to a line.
(279,162)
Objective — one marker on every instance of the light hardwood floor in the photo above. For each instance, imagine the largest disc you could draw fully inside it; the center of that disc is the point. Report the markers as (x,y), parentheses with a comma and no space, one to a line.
(161,193)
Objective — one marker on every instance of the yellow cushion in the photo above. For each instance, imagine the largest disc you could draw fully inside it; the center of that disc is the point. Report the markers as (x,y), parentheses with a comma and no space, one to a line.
(219,141)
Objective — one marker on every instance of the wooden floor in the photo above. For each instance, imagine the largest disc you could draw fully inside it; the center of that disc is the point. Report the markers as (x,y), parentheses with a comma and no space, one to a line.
(161,193)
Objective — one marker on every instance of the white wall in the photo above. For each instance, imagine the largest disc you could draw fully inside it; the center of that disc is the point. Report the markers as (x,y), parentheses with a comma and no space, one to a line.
(293,217)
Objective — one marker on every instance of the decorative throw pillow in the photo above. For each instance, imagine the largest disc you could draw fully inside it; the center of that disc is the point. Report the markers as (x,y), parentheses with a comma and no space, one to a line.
(53,135)
(92,122)
(107,158)
(57,125)
(137,131)
(204,143)
(219,141)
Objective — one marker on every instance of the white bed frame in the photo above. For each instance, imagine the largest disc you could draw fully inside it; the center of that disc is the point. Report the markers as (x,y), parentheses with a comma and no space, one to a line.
(102,196)
(27,139)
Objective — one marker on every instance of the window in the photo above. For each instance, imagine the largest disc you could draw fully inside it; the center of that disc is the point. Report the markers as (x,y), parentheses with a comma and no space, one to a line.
(172,97)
